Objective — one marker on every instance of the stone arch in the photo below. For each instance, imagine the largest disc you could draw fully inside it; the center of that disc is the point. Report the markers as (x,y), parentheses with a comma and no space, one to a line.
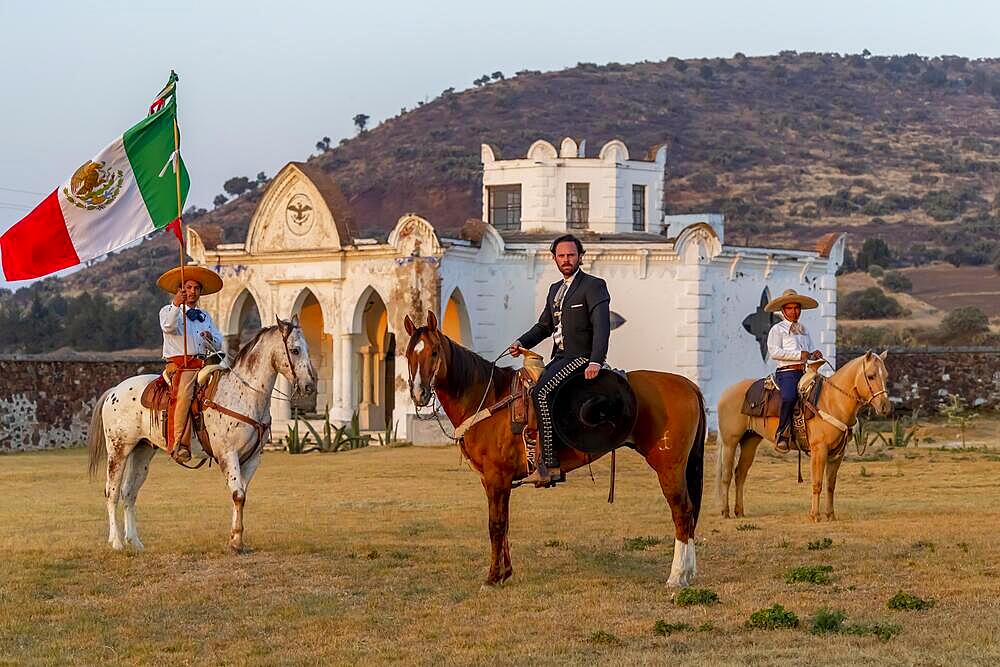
(320,343)
(414,236)
(374,350)
(614,151)
(455,321)
(244,321)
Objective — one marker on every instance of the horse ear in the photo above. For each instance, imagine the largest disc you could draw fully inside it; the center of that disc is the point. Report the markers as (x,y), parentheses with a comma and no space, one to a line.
(294,321)
(869,354)
(282,324)
(432,320)
(884,355)
(408,325)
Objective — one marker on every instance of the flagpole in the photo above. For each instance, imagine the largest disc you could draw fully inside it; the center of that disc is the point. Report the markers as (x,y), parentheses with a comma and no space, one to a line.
(180,222)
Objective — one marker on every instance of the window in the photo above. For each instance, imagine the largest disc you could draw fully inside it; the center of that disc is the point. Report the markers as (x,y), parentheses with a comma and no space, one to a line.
(638,208)
(505,206)
(577,205)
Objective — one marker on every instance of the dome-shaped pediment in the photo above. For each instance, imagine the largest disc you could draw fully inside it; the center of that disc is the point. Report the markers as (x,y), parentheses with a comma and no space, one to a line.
(302,209)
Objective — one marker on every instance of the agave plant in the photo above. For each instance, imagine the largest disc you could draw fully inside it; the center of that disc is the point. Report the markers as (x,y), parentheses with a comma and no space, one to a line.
(904,432)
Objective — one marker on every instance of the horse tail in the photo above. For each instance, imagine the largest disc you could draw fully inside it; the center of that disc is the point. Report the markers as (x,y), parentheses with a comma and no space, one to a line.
(695,472)
(95,437)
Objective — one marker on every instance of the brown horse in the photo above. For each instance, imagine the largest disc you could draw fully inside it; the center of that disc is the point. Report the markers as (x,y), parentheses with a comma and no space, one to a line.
(671,440)
(857,383)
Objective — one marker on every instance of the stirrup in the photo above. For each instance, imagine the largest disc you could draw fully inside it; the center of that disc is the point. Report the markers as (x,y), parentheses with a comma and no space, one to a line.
(782,446)
(181,453)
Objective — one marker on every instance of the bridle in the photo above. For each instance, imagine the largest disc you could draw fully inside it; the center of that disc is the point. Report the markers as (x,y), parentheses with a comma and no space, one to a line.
(854,394)
(288,355)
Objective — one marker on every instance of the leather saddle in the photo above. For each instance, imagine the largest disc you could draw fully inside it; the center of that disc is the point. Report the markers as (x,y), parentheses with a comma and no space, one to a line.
(763,399)
(156,396)
(522,409)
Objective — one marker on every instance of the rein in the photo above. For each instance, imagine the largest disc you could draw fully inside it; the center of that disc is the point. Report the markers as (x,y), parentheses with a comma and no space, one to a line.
(282,395)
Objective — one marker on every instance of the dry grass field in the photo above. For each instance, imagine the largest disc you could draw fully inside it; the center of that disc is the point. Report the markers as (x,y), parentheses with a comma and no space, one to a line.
(376,556)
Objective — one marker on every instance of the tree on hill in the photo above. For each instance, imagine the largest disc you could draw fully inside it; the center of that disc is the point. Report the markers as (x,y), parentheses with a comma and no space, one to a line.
(869,304)
(361,121)
(219,200)
(963,325)
(237,185)
(873,251)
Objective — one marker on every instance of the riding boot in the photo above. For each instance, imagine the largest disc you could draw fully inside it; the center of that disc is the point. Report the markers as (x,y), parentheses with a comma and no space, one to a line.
(181,453)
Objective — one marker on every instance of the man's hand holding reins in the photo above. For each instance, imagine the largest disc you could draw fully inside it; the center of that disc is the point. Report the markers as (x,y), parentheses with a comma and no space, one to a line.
(515,349)
(592,370)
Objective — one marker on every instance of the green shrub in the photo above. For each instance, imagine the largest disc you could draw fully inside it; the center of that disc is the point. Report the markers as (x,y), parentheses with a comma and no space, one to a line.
(640,543)
(869,304)
(772,618)
(818,545)
(884,631)
(693,596)
(908,601)
(827,621)
(747,526)
(897,282)
(602,637)
(964,323)
(875,271)
(809,574)
(663,628)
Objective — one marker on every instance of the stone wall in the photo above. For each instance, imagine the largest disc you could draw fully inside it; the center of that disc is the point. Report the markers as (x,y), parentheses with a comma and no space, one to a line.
(921,378)
(48,404)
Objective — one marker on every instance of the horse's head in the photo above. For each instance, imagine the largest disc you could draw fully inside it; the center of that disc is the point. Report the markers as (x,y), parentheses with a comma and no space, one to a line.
(871,382)
(292,357)
(425,358)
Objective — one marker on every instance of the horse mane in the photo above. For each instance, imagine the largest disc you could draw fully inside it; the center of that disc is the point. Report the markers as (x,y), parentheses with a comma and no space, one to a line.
(245,350)
(467,370)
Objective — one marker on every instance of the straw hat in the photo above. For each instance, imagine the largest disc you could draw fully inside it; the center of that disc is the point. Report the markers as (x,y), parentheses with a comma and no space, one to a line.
(211,282)
(791,296)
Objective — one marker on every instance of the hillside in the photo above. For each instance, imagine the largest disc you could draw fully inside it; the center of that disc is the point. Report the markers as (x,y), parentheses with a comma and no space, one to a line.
(789,147)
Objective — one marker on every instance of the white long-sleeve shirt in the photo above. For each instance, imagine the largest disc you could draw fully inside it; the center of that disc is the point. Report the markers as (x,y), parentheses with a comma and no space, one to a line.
(173,332)
(785,347)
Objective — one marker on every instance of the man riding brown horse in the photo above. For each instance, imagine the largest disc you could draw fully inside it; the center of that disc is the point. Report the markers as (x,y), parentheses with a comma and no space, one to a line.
(183,362)
(577,316)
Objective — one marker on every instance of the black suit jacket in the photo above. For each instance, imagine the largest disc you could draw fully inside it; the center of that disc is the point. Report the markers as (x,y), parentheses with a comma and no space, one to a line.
(586,320)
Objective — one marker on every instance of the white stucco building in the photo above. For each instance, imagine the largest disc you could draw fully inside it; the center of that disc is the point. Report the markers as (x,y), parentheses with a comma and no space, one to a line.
(683,300)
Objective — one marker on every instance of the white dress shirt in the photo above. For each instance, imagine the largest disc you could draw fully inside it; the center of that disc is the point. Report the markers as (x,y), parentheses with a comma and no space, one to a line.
(557,334)
(173,332)
(785,347)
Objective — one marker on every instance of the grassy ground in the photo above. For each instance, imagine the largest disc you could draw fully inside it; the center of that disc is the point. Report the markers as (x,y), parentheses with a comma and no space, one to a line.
(377,556)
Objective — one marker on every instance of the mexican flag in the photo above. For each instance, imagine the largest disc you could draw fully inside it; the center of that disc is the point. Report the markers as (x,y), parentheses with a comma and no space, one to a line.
(127,190)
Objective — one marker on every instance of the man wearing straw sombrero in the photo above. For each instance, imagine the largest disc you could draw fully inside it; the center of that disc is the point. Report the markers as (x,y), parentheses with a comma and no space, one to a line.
(189,335)
(790,345)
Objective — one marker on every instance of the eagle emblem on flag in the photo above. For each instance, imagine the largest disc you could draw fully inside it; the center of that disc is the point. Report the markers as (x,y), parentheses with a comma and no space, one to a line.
(93,186)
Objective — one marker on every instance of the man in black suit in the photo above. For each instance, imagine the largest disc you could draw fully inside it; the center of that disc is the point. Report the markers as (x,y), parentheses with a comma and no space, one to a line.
(577,316)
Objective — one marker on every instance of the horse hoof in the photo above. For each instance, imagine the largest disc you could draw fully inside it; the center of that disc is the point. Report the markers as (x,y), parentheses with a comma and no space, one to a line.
(814,518)
(136,544)
(831,517)
(678,582)
(238,550)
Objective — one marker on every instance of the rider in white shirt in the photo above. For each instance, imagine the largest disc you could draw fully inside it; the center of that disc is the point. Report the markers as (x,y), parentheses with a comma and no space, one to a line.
(790,345)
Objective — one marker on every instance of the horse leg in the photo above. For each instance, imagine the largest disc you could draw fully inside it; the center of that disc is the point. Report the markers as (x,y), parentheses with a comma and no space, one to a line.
(819,457)
(748,450)
(135,475)
(229,464)
(674,487)
(724,469)
(832,467)
(498,497)
(117,460)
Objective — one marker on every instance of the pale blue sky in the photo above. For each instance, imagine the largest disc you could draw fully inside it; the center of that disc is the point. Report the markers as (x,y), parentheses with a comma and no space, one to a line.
(262,82)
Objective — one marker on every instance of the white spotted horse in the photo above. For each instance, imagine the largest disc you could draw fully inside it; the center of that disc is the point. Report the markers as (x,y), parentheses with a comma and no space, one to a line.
(235,423)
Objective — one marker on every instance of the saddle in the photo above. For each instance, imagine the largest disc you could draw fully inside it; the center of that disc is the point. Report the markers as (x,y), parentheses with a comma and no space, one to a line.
(522,409)
(156,397)
(763,399)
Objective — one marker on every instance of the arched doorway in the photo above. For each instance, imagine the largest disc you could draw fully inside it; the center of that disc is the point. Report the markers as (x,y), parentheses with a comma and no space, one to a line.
(455,322)
(244,323)
(320,345)
(376,359)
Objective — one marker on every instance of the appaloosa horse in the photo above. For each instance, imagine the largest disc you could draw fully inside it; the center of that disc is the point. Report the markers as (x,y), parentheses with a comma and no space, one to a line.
(857,383)
(237,425)
(669,433)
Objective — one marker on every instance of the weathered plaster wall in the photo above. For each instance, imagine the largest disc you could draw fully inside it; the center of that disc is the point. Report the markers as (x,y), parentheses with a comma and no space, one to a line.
(48,404)
(921,379)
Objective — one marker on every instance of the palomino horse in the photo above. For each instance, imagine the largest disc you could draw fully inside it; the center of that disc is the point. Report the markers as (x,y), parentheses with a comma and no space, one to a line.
(237,424)
(857,383)
(669,433)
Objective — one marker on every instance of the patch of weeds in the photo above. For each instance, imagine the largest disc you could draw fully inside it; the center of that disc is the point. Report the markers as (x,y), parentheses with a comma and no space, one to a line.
(922,545)
(784,544)
(964,546)
(865,473)
(692,596)
(884,631)
(706,627)
(819,545)
(399,555)
(909,601)
(373,555)
(602,637)
(553,543)
(809,574)
(748,526)
(774,617)
(663,628)
(641,543)
(827,621)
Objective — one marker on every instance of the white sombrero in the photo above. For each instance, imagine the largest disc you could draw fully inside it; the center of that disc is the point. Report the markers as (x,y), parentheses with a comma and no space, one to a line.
(791,296)
(210,281)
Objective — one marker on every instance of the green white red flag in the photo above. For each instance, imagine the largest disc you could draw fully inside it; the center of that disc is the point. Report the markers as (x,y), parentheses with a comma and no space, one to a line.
(127,191)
